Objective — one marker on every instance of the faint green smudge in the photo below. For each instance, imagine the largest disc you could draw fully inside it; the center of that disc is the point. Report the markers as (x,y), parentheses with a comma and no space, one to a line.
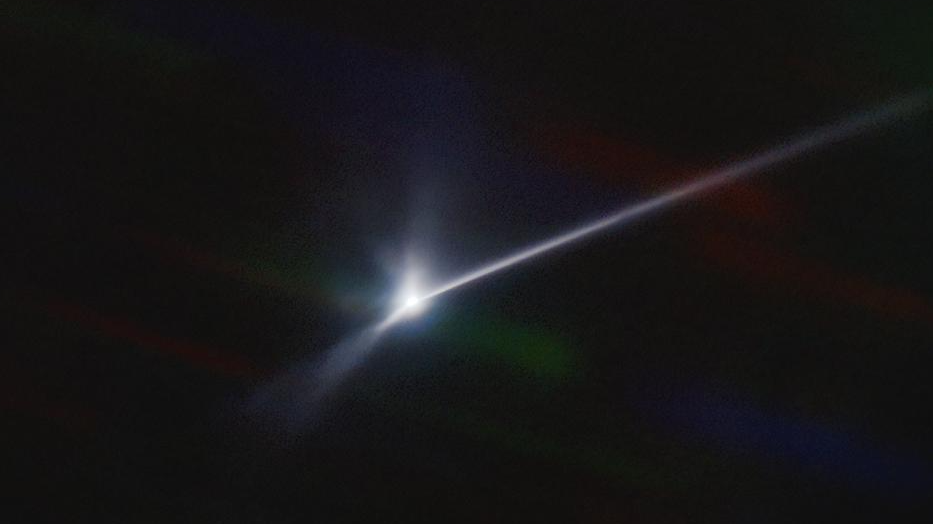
(529,350)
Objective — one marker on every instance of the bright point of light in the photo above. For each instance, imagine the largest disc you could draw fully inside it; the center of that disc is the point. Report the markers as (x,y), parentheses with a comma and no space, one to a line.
(413,306)
(409,300)
(412,301)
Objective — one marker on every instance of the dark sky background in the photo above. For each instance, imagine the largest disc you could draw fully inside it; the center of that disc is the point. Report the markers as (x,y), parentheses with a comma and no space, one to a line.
(199,195)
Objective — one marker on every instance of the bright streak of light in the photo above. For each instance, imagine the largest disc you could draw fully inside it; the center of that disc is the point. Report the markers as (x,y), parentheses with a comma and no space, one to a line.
(793,149)
(297,394)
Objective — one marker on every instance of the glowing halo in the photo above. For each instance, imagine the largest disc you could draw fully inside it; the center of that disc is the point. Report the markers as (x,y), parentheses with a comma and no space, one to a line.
(409,300)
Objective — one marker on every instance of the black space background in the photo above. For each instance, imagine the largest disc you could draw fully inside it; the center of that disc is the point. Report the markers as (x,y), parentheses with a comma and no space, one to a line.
(115,151)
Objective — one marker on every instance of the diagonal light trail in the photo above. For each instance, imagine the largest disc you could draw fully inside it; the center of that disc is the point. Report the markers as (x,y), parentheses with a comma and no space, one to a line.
(793,149)
(295,395)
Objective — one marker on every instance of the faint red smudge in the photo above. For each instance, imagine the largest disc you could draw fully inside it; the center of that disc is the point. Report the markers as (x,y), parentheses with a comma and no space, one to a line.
(612,158)
(754,204)
(619,159)
(812,278)
(182,251)
(204,357)
(19,396)
(178,250)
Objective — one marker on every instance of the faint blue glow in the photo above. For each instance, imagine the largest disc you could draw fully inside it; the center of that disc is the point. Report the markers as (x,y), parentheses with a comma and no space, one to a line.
(293,398)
